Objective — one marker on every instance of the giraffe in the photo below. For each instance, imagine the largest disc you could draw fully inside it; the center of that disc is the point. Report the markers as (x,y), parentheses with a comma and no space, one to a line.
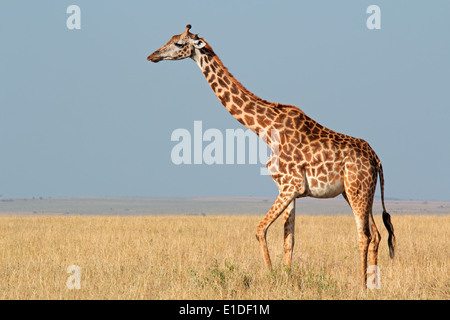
(311,160)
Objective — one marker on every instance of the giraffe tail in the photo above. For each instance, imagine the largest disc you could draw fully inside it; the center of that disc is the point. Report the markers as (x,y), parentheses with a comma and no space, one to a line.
(386,216)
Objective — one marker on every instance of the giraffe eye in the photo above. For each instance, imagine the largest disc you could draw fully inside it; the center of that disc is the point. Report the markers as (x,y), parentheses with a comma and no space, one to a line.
(179,45)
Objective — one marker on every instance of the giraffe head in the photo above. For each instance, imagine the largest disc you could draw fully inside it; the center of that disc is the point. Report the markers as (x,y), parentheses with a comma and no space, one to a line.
(180,46)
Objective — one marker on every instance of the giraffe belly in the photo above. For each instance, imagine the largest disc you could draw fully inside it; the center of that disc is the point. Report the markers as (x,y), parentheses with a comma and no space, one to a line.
(324,186)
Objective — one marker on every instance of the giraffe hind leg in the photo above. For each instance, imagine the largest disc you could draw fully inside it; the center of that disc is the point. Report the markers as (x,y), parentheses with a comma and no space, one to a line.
(373,252)
(362,213)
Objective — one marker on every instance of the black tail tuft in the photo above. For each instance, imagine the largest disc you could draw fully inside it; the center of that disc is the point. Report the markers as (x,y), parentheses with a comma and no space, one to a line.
(390,229)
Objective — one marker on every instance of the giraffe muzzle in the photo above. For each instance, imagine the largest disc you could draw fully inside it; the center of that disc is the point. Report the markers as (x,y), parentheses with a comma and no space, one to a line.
(154,57)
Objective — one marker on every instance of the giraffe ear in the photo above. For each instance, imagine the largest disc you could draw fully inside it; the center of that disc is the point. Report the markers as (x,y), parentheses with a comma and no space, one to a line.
(199,44)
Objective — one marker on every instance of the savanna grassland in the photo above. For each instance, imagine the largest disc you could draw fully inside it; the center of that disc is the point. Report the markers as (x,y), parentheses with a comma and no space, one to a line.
(215,257)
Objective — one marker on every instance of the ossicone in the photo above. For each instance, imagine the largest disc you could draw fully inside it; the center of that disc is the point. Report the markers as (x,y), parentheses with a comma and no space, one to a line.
(186,32)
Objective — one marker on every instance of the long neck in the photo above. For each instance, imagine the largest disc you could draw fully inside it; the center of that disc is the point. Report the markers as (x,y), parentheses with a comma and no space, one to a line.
(250,110)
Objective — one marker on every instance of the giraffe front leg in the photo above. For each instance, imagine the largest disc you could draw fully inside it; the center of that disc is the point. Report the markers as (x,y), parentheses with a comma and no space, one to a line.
(282,202)
(289,229)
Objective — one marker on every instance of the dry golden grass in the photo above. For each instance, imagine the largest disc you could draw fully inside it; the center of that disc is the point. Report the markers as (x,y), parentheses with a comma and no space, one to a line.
(216,257)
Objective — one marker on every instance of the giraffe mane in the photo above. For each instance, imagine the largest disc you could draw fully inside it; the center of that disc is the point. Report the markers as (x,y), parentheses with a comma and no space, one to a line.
(208,50)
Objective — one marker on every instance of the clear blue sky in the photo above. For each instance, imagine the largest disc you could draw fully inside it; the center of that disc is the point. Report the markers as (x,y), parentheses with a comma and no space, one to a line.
(83,113)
